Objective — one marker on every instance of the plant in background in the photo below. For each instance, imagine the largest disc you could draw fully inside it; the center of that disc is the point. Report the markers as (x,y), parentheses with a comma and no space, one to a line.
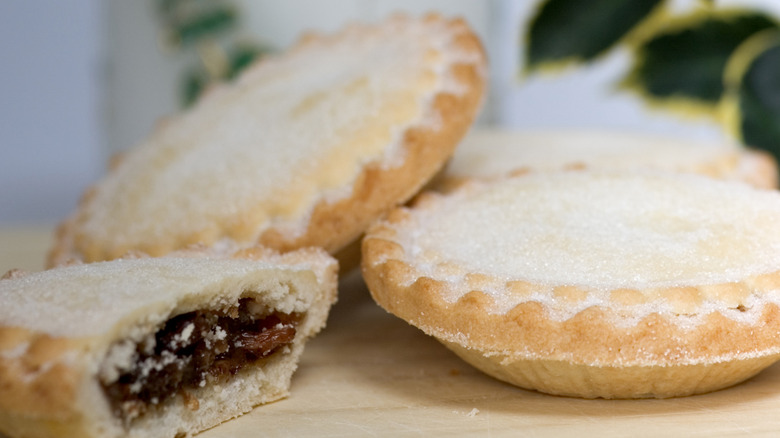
(207,27)
(710,61)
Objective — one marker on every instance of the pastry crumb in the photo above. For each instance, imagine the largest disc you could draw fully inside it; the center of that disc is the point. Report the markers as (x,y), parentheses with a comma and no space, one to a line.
(472,413)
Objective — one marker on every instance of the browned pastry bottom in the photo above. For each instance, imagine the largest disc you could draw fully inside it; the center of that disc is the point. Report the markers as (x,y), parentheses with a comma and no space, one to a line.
(564,378)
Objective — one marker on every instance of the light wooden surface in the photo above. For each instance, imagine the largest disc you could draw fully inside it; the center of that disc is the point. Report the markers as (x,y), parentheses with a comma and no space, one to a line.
(370,374)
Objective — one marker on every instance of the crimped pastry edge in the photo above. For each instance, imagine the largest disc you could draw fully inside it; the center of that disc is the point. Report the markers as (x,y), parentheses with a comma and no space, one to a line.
(589,337)
(38,372)
(589,344)
(378,187)
(424,146)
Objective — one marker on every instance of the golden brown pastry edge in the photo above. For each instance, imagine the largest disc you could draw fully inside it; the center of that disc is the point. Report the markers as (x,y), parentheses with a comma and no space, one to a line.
(376,190)
(594,339)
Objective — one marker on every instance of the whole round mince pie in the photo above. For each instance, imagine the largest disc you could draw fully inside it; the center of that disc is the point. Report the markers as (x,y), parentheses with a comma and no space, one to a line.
(496,153)
(305,148)
(590,283)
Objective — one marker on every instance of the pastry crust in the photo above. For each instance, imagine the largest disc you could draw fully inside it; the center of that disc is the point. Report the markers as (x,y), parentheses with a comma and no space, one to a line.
(640,335)
(360,121)
(58,329)
(497,153)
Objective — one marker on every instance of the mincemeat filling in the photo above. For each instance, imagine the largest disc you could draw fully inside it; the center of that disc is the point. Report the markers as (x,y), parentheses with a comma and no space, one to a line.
(193,350)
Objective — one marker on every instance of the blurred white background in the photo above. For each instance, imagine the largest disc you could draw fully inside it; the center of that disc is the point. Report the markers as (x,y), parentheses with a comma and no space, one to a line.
(51,128)
(84,78)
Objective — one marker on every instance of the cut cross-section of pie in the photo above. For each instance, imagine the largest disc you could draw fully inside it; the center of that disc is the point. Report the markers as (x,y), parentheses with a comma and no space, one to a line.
(590,284)
(305,148)
(155,346)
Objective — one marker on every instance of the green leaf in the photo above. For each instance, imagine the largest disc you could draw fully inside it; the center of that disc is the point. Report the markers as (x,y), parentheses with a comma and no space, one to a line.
(198,79)
(193,85)
(568,30)
(688,63)
(759,101)
(242,56)
(205,24)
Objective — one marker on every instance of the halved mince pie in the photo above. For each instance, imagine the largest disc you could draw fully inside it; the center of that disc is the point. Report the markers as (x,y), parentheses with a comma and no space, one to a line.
(590,284)
(305,148)
(155,346)
(497,153)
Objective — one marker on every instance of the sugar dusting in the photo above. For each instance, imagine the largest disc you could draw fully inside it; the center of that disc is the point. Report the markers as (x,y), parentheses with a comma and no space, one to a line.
(293,130)
(87,300)
(600,232)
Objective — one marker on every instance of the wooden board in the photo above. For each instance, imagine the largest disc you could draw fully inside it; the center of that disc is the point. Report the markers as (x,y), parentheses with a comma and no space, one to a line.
(370,374)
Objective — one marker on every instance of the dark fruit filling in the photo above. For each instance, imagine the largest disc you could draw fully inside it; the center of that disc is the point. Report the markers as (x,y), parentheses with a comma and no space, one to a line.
(193,350)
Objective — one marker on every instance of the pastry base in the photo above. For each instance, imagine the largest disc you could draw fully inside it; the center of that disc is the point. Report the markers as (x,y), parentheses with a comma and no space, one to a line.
(569,379)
